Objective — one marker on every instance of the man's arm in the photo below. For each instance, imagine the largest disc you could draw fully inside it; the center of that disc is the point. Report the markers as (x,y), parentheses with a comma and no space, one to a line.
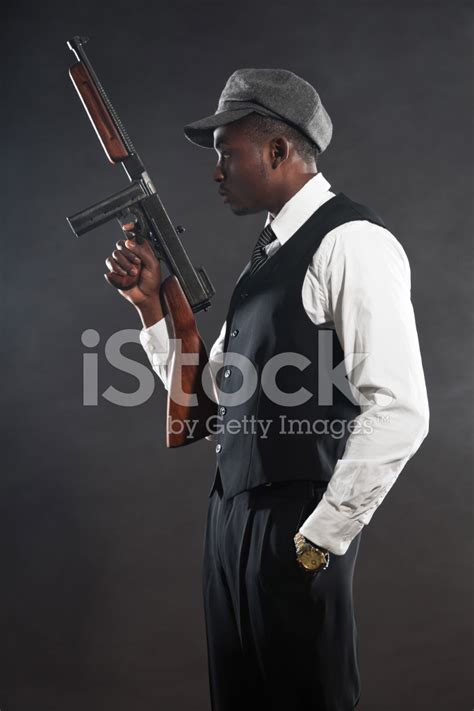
(156,343)
(135,272)
(365,281)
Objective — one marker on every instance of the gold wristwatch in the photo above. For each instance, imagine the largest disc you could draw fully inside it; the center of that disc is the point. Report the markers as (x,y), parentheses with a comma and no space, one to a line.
(310,557)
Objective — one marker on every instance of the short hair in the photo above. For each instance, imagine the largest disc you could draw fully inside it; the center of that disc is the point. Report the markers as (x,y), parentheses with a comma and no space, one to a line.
(261,128)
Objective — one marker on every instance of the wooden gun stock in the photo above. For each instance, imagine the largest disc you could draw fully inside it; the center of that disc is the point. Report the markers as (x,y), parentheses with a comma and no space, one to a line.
(185,378)
(109,136)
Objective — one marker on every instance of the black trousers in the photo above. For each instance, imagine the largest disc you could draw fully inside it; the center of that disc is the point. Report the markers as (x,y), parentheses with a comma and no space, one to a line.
(277,638)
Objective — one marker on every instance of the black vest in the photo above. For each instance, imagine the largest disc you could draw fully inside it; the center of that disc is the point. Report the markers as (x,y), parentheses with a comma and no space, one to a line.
(256,441)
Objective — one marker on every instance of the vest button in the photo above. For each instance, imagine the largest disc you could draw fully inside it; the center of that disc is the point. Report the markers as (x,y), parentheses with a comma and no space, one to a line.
(218,448)
(227,373)
(243,295)
(222,410)
(234,332)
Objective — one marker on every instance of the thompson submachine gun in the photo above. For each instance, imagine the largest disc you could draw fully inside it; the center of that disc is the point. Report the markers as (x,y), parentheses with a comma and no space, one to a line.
(187,289)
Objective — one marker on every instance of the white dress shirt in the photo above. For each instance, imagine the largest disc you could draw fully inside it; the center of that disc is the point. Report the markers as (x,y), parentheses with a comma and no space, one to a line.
(358,283)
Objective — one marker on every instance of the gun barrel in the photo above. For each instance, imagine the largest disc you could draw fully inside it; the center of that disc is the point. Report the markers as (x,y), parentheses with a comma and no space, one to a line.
(107,124)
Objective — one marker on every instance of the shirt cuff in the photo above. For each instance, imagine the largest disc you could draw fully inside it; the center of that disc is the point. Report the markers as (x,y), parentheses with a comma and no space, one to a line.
(330,529)
(156,342)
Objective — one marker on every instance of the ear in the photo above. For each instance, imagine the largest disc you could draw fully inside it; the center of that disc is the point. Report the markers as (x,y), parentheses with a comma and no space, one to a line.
(279,151)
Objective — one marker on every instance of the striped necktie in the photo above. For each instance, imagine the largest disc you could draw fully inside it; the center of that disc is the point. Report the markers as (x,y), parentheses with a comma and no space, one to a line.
(259,256)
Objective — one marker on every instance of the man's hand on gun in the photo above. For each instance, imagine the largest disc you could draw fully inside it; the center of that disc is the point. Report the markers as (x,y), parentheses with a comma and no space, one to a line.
(133,269)
(135,272)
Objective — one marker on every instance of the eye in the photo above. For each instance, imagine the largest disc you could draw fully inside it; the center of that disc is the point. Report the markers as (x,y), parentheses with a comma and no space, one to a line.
(225,154)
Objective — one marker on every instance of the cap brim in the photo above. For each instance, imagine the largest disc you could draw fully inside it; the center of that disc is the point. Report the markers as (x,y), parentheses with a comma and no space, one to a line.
(202,132)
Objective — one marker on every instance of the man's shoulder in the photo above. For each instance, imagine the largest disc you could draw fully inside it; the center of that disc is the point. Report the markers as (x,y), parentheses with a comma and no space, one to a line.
(357,237)
(345,206)
(338,211)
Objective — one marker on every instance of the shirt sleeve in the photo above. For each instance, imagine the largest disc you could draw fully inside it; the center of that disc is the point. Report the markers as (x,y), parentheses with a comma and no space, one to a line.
(365,282)
(216,358)
(155,341)
(157,344)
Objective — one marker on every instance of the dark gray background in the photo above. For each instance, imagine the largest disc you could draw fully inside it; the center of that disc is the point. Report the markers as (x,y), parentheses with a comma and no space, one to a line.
(101,526)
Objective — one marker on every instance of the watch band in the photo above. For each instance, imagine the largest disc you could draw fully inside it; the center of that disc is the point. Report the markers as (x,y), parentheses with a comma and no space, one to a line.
(315,545)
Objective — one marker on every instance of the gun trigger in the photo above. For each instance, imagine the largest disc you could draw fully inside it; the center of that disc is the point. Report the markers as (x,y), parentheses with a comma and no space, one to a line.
(139,225)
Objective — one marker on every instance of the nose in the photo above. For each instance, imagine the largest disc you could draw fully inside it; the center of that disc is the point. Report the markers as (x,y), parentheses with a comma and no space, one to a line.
(218,174)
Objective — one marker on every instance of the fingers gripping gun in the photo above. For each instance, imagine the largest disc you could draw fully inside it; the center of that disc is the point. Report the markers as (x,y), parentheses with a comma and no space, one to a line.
(187,289)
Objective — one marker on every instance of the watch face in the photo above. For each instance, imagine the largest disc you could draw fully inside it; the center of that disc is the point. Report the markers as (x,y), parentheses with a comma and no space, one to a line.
(311,559)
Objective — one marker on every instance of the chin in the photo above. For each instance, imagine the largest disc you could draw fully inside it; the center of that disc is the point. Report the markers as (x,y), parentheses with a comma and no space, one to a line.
(241,210)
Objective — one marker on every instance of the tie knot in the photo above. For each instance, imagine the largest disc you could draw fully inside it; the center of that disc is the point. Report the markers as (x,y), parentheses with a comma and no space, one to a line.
(259,256)
(266,236)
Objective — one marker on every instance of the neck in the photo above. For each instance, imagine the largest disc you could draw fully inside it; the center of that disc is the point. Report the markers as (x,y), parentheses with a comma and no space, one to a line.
(288,189)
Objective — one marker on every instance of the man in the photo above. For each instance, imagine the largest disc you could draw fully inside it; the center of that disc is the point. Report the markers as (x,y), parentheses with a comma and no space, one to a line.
(325,295)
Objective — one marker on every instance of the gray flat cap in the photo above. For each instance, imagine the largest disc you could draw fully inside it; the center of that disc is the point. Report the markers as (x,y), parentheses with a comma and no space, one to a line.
(270,92)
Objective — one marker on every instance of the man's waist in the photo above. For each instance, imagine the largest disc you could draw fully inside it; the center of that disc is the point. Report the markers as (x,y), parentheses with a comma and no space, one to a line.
(287,487)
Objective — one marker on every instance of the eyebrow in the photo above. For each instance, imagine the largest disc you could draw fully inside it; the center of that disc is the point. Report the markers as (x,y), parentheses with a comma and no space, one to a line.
(221,142)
